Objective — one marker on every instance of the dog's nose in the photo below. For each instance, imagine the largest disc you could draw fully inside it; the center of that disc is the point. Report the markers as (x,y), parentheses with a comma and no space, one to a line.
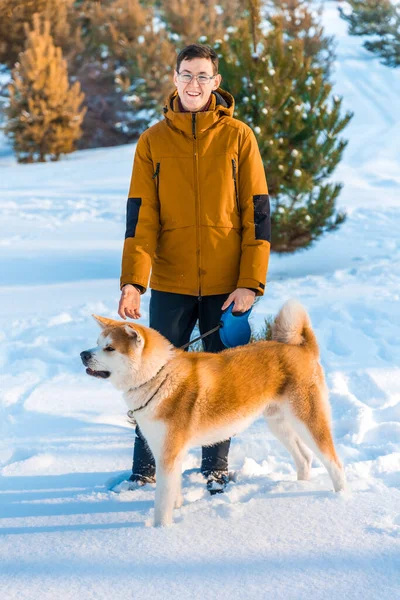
(85,356)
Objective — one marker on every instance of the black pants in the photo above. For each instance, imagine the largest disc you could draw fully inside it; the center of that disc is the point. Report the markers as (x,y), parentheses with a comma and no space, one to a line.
(175,316)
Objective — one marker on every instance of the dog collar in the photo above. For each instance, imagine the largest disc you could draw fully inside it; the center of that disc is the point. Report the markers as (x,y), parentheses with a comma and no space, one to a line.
(133,410)
(148,401)
(148,381)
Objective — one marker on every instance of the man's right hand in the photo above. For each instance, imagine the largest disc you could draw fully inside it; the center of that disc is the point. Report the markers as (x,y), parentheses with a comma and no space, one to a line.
(129,305)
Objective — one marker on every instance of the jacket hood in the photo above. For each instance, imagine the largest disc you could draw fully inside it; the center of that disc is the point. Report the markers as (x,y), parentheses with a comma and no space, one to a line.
(222,105)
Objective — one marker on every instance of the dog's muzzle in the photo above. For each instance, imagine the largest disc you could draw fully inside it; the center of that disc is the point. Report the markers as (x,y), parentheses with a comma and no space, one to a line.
(85,357)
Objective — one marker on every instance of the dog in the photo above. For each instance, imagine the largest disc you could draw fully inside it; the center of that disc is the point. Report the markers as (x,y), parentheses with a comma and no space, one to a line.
(184,399)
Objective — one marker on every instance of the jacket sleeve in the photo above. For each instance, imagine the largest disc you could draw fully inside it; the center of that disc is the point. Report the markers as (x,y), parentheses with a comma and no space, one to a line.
(255,216)
(142,219)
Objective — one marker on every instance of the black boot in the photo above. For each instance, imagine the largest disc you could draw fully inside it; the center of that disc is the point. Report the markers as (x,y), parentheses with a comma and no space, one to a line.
(217,482)
(214,466)
(143,467)
(141,480)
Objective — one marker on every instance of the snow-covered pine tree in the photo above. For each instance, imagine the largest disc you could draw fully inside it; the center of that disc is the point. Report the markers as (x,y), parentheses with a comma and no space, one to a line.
(45,114)
(300,20)
(379,19)
(286,100)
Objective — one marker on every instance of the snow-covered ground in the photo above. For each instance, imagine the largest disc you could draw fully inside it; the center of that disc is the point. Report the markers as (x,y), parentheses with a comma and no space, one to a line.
(65,437)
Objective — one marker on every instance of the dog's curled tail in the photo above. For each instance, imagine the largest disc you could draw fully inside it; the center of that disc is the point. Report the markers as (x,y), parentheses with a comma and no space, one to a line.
(292,325)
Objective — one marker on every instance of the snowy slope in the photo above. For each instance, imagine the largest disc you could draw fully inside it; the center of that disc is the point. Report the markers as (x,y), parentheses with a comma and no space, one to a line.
(64,436)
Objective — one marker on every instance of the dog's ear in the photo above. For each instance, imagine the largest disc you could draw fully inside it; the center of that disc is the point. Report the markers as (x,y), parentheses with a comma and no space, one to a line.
(103,321)
(133,333)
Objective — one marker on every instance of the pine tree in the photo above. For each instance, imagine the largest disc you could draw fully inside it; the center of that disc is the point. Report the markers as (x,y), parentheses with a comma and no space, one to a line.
(134,57)
(14,15)
(111,28)
(368,17)
(299,20)
(44,116)
(286,100)
(151,75)
(380,19)
(187,22)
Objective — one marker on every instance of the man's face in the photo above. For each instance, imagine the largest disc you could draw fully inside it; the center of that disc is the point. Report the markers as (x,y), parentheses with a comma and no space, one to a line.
(193,95)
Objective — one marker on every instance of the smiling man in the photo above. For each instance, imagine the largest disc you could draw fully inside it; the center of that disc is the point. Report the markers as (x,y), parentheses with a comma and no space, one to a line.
(198,218)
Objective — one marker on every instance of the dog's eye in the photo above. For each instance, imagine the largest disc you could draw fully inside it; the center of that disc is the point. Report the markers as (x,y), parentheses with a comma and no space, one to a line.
(109,349)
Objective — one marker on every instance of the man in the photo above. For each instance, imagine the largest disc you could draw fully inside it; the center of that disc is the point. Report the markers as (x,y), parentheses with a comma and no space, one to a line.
(198,218)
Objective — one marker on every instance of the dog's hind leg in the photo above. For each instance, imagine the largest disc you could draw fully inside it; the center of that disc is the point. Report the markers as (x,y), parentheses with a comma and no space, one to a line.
(285,433)
(312,424)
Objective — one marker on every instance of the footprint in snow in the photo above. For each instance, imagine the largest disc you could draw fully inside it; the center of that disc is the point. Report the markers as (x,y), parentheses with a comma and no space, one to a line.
(337,346)
(365,389)
(388,525)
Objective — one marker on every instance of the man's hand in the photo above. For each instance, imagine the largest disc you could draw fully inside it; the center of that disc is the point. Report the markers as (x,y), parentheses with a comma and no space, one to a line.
(129,305)
(243,299)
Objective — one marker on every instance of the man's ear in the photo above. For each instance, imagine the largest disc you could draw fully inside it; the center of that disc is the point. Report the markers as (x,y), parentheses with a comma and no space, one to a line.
(133,333)
(217,81)
(104,322)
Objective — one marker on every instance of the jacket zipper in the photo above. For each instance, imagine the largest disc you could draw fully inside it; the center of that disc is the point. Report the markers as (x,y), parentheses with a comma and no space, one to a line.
(235,183)
(194,125)
(156,175)
(197,201)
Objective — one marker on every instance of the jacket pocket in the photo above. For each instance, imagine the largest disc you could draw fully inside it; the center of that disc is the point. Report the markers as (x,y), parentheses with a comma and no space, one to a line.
(234,177)
(156,176)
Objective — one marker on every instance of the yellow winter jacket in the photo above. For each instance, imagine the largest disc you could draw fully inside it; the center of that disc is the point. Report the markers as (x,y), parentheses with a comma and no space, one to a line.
(198,212)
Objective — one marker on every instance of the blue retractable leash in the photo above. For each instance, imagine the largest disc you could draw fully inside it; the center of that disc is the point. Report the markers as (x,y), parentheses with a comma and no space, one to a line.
(234,329)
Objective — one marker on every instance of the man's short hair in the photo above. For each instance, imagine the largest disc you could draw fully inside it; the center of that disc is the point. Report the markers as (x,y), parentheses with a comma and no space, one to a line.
(197,51)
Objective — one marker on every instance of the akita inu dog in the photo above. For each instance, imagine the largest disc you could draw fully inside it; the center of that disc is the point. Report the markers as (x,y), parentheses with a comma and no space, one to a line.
(184,399)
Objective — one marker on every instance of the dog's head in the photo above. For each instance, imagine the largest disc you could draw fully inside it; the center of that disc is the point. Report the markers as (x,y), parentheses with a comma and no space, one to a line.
(127,354)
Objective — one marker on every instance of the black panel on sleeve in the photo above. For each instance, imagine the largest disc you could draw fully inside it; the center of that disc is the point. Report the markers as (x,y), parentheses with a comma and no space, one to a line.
(132,216)
(262,217)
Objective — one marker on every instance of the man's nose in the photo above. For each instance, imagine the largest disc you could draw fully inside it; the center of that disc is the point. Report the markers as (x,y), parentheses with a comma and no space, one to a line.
(194,83)
(86,356)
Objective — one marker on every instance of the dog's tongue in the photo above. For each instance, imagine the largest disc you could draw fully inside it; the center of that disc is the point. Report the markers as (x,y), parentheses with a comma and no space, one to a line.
(101,374)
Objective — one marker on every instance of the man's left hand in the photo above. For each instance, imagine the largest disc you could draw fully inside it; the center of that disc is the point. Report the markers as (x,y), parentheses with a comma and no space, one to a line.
(243,299)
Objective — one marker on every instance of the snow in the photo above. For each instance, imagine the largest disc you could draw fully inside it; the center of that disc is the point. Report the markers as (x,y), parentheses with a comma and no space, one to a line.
(65,438)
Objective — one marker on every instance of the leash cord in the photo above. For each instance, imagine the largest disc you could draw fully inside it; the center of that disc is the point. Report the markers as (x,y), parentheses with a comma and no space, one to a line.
(201,336)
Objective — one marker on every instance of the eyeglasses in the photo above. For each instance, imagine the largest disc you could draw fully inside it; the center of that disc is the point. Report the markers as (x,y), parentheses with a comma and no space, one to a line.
(201,79)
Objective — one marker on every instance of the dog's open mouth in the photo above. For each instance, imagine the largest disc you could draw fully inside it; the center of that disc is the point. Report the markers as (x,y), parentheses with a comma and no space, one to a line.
(100,374)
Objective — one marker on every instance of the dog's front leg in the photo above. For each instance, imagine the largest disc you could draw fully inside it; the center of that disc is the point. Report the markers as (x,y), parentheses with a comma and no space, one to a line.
(167,490)
(178,497)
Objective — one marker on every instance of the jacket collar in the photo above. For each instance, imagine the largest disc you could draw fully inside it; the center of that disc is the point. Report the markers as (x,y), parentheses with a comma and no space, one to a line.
(222,104)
